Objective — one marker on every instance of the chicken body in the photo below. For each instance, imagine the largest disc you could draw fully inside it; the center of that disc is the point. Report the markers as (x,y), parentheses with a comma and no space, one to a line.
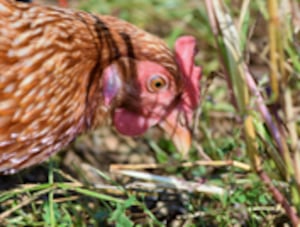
(63,72)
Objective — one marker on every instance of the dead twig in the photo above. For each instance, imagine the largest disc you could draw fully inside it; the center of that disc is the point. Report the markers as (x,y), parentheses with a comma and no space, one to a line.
(175,183)
(212,163)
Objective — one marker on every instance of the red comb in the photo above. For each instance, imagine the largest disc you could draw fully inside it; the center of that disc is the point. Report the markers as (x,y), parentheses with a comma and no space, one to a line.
(185,51)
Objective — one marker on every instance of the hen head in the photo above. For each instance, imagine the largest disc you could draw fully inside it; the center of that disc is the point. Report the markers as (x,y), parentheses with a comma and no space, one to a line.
(153,95)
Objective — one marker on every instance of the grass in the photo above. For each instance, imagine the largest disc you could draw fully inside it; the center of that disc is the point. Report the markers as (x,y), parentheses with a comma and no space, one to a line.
(245,147)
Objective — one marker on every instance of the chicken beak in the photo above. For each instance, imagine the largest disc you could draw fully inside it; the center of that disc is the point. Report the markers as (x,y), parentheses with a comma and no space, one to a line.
(178,131)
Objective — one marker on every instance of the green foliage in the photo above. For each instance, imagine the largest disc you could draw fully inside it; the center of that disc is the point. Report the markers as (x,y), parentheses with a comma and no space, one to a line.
(118,216)
(63,218)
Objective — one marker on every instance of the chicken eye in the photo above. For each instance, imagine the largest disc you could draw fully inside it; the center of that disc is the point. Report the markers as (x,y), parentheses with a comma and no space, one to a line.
(157,83)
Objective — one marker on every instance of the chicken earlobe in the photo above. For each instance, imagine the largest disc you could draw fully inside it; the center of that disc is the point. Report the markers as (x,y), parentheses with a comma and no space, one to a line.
(111,84)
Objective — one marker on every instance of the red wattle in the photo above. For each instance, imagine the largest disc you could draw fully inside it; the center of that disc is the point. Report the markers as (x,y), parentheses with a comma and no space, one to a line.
(132,124)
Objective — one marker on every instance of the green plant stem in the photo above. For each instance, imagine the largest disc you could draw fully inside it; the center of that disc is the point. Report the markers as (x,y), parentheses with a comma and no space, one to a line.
(51,194)
(273,24)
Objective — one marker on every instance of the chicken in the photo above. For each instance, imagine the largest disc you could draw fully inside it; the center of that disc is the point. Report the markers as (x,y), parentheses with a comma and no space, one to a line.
(63,72)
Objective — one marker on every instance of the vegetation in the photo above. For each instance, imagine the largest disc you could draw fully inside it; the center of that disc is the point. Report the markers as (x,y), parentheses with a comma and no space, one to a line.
(244,167)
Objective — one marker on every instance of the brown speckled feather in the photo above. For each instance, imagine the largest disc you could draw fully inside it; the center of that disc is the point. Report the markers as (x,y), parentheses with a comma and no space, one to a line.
(50,63)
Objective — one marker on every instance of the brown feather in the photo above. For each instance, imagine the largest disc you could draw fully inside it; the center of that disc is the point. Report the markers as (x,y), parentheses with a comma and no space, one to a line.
(51,60)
